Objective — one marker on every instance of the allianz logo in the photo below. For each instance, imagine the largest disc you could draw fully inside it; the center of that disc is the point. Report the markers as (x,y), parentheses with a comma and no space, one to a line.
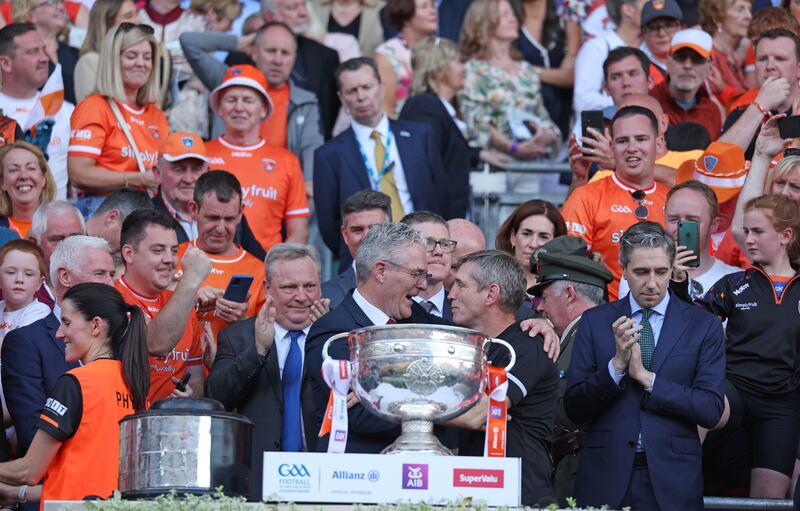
(372,475)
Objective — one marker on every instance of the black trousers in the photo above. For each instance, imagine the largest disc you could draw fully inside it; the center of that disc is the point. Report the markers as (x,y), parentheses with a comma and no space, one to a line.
(639,495)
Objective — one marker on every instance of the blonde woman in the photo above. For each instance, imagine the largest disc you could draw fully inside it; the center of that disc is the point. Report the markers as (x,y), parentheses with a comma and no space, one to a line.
(105,15)
(438,76)
(50,19)
(501,101)
(219,14)
(25,183)
(358,18)
(101,155)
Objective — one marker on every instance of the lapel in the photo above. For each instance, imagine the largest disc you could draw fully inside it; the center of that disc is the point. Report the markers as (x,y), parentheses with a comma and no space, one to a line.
(355,312)
(451,125)
(409,151)
(671,330)
(52,324)
(566,349)
(347,280)
(351,155)
(447,313)
(273,370)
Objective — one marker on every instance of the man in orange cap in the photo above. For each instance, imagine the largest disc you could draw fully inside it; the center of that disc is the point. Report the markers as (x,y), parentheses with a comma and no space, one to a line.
(683,95)
(273,190)
(182,160)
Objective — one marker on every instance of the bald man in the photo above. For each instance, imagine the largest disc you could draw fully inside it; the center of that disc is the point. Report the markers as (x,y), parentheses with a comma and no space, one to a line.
(469,238)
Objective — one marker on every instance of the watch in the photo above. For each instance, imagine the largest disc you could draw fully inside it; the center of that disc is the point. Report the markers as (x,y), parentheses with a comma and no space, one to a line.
(22,496)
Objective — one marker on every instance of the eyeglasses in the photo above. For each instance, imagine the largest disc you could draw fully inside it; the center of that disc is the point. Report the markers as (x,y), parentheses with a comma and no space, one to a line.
(666,26)
(127,27)
(641,211)
(447,245)
(681,55)
(420,275)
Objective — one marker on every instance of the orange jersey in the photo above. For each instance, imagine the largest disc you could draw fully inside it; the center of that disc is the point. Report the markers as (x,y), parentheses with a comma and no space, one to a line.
(601,211)
(273,130)
(186,353)
(88,461)
(222,269)
(96,135)
(272,185)
(21,227)
(729,252)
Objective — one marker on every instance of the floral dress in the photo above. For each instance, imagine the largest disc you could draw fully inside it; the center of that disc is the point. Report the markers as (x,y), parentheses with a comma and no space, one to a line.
(399,56)
(491,96)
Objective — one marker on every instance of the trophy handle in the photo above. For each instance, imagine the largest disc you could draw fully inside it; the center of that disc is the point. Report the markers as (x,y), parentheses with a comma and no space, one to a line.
(507,346)
(336,338)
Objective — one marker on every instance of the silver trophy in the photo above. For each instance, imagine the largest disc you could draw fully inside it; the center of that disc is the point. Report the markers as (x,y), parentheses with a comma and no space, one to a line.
(417,375)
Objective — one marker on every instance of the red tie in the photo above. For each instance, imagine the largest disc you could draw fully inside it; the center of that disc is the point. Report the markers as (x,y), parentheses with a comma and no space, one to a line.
(391,321)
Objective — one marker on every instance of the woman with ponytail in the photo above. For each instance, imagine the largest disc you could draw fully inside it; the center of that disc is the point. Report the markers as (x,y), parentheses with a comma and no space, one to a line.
(763,341)
(76,449)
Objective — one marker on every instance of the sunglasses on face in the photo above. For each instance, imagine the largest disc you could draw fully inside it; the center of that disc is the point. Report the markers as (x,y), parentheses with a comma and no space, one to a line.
(666,26)
(680,56)
(641,211)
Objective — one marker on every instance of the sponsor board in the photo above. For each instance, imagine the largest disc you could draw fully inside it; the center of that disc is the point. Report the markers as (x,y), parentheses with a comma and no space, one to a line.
(378,478)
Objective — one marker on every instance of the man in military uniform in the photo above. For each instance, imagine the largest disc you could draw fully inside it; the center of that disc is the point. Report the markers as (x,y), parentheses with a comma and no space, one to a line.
(571,281)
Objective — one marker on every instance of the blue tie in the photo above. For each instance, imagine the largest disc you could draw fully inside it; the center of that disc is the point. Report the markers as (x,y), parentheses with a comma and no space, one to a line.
(291,433)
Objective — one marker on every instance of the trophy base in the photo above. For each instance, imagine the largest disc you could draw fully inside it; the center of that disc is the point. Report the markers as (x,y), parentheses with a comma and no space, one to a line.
(417,438)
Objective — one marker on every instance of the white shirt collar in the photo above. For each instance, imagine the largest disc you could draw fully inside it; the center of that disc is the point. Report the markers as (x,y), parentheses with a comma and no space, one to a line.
(282,333)
(363,131)
(661,308)
(375,315)
(437,300)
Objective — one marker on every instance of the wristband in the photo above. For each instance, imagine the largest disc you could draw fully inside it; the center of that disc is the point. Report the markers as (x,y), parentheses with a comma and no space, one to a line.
(22,496)
(764,112)
(513,148)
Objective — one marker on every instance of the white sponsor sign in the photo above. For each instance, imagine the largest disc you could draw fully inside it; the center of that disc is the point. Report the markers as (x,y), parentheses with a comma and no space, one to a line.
(380,478)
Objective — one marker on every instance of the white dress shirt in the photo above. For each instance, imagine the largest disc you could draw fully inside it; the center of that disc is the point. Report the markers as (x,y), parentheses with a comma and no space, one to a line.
(437,300)
(283,342)
(363,137)
(377,316)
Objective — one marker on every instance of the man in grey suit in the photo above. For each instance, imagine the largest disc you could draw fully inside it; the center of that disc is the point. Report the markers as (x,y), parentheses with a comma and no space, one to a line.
(360,212)
(259,370)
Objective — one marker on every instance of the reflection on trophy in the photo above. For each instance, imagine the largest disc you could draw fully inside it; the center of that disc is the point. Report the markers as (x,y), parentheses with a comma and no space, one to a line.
(418,375)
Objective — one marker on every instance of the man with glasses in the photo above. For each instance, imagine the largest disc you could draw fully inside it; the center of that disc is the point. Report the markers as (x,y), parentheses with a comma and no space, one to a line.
(661,19)
(439,252)
(601,210)
(682,95)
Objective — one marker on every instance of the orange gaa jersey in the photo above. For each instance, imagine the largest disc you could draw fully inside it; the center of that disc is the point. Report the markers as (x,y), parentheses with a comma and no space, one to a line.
(95,134)
(600,211)
(272,185)
(187,352)
(222,269)
(83,412)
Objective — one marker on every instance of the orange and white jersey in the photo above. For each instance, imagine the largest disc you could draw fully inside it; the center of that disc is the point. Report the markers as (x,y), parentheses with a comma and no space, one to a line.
(96,134)
(601,211)
(272,185)
(187,352)
(222,269)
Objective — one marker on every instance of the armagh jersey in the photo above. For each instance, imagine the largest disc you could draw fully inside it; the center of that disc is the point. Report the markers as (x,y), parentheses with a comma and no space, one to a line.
(187,352)
(222,269)
(83,411)
(96,134)
(272,185)
(601,211)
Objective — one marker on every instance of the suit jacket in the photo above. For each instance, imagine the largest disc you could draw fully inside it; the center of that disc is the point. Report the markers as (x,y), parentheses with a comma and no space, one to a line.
(319,65)
(33,360)
(246,383)
(243,236)
(366,432)
(339,172)
(339,286)
(458,157)
(689,363)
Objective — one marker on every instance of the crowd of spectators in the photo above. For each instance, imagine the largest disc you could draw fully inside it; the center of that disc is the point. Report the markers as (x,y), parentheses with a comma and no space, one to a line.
(154,152)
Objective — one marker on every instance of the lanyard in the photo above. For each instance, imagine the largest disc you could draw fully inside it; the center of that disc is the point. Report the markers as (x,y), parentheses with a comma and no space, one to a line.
(375,176)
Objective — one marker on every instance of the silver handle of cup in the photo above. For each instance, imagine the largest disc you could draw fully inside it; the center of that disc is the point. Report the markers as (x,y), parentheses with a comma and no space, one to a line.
(332,339)
(507,346)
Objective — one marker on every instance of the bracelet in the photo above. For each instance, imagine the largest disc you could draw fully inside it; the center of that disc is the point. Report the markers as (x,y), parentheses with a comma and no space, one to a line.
(764,111)
(22,496)
(513,148)
(125,179)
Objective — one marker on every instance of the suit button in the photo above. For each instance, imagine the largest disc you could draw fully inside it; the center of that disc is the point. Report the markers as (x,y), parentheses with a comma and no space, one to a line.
(280,410)
(276,445)
(631,443)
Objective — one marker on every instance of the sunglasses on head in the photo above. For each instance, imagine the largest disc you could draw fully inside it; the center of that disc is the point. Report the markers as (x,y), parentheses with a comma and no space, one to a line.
(641,211)
(127,27)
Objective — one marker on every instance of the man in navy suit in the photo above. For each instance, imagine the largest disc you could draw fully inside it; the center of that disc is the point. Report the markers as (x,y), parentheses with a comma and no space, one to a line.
(360,212)
(646,371)
(33,358)
(439,252)
(395,157)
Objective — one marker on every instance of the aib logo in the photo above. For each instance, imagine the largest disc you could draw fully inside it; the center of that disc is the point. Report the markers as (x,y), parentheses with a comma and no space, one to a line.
(496,412)
(340,436)
(415,477)
(286,470)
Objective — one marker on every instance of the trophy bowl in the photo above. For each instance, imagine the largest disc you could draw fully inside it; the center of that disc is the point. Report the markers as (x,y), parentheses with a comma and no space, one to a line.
(418,375)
